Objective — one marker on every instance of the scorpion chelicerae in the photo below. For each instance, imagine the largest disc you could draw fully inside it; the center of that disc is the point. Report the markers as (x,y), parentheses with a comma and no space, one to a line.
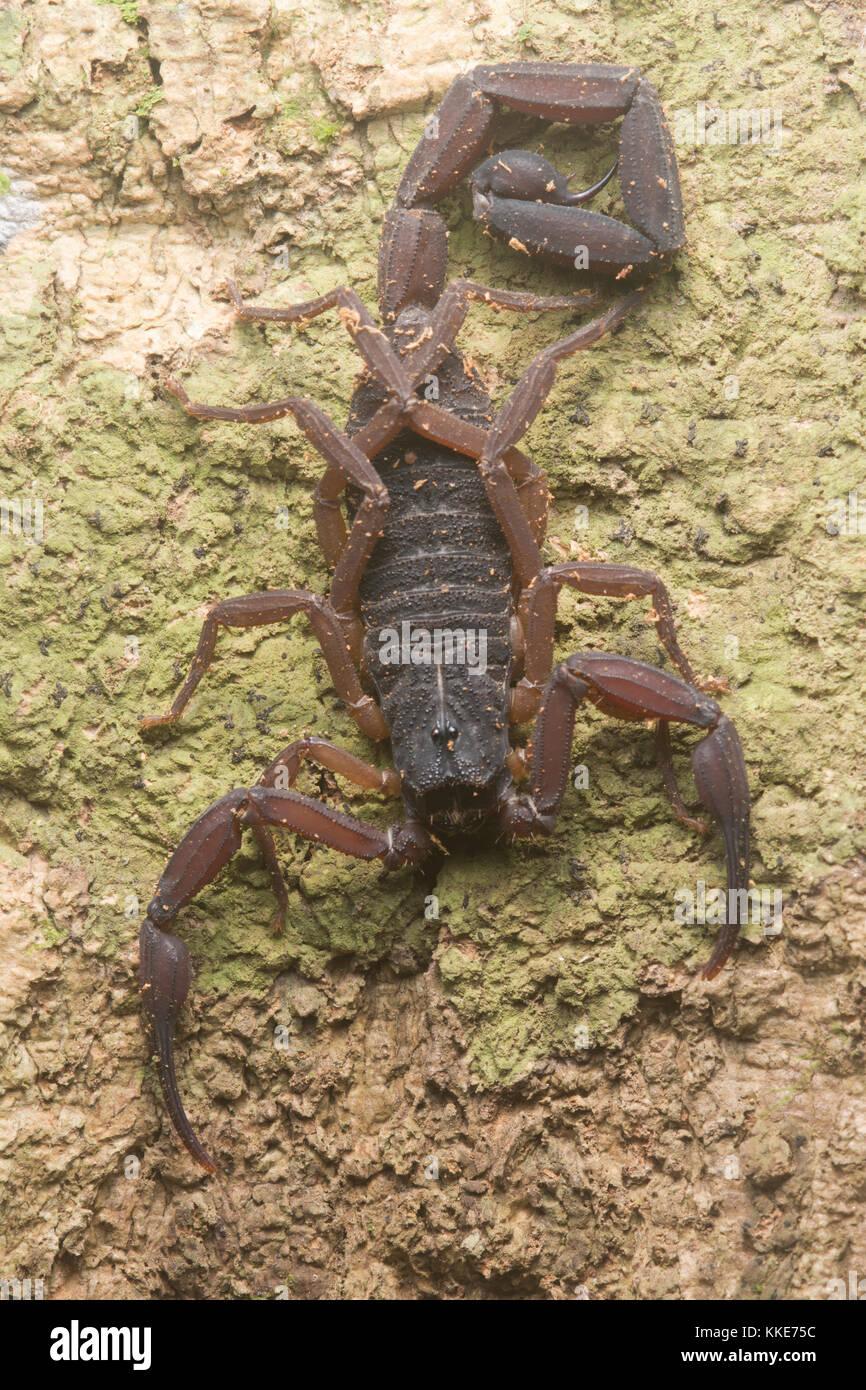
(451,547)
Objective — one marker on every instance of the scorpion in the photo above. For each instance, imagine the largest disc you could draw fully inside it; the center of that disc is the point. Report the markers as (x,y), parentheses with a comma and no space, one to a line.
(453,542)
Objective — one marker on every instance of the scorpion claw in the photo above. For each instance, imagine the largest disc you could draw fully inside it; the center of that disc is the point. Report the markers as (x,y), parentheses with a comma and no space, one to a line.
(164,970)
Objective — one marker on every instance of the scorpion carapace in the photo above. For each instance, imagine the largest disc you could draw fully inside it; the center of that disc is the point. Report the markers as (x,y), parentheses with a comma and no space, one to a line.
(438,630)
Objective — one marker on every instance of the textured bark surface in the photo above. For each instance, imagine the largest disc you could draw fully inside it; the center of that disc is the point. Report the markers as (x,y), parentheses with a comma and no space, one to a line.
(530,1094)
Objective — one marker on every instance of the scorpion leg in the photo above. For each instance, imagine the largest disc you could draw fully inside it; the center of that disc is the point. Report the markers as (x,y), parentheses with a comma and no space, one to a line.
(450,313)
(610,581)
(627,689)
(287,765)
(530,484)
(277,606)
(315,424)
(388,368)
(445,323)
(458,434)
(498,476)
(369,339)
(512,421)
(335,445)
(522,197)
(206,848)
(283,771)
(347,463)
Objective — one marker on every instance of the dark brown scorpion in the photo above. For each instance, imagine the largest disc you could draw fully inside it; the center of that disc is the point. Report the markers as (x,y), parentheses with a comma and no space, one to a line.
(451,547)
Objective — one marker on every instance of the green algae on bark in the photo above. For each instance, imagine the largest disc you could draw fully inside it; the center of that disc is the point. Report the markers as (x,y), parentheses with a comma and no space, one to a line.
(707,441)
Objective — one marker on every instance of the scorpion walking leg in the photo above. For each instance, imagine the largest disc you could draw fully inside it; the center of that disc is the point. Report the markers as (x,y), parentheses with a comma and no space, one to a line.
(530,484)
(348,559)
(445,323)
(347,463)
(512,421)
(605,580)
(450,313)
(287,765)
(207,847)
(283,771)
(349,562)
(369,339)
(277,606)
(315,424)
(522,531)
(385,364)
(627,689)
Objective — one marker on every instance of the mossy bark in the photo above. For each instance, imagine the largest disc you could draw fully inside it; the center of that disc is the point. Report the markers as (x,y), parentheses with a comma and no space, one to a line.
(529,1093)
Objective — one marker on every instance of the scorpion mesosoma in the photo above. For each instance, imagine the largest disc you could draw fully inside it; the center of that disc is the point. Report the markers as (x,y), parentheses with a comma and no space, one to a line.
(453,541)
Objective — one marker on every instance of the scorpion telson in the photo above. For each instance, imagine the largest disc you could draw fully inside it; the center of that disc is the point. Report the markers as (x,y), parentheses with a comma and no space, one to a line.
(452,545)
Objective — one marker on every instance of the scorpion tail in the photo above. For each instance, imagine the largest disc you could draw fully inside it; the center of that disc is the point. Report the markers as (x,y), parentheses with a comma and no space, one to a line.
(164,970)
(720,776)
(574,199)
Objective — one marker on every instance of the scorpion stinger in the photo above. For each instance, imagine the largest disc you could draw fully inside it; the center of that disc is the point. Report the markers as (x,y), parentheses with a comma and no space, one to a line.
(589,193)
